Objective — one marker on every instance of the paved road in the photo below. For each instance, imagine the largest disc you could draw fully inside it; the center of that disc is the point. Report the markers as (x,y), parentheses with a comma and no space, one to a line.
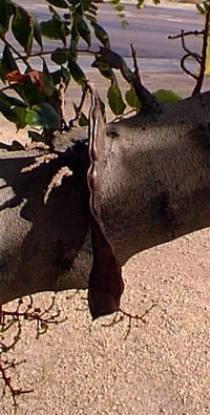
(148,28)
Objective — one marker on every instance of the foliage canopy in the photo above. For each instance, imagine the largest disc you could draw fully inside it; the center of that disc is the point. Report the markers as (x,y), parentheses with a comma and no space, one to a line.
(33,93)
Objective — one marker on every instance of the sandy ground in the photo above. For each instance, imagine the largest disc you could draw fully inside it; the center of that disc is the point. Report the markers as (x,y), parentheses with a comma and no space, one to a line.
(159,368)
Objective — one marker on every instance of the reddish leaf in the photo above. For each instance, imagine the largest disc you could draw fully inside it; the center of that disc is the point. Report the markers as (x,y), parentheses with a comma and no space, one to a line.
(15,77)
(36,77)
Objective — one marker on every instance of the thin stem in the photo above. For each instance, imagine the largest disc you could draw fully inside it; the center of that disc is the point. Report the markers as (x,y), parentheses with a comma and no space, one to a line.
(186,70)
(148,102)
(190,33)
(194,55)
(7,384)
(48,52)
(201,75)
(79,108)
(135,64)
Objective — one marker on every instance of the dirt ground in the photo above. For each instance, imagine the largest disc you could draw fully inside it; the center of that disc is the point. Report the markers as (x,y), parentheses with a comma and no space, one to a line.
(161,367)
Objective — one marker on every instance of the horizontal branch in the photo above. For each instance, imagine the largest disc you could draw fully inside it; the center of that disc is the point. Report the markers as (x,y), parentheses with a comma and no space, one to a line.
(47,247)
(189,33)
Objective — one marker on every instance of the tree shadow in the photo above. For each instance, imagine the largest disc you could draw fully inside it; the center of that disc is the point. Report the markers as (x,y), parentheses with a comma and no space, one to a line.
(43,239)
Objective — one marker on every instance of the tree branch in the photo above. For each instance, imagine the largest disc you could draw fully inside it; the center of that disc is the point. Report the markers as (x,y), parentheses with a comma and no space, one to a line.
(184,68)
(148,102)
(201,75)
(189,33)
(201,59)
(50,249)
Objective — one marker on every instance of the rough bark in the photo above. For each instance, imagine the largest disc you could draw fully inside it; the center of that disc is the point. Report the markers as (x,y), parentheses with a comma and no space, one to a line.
(156,187)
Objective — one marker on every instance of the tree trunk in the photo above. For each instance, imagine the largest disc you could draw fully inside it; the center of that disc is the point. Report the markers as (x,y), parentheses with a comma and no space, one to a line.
(156,187)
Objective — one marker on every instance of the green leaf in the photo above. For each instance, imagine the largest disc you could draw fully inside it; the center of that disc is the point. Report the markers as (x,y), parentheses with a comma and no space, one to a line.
(83,29)
(6,13)
(48,85)
(20,113)
(56,76)
(45,69)
(107,73)
(8,63)
(8,60)
(35,136)
(140,4)
(166,96)
(206,5)
(132,98)
(117,62)
(74,39)
(101,34)
(119,8)
(43,116)
(59,3)
(37,33)
(60,56)
(83,121)
(22,28)
(116,102)
(76,71)
(13,109)
(54,29)
(7,111)
(114,2)
(200,8)
(61,74)
(12,101)
(29,92)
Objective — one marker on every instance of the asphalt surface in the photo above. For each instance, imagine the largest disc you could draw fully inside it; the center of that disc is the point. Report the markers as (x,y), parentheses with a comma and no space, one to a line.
(148,28)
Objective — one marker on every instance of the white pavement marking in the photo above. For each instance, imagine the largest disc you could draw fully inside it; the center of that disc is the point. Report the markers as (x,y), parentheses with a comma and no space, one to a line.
(175,20)
(34,6)
(166,17)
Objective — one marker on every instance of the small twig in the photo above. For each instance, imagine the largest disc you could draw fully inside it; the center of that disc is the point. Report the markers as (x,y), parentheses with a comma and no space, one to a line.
(30,313)
(48,52)
(148,102)
(121,314)
(136,317)
(135,64)
(7,384)
(201,75)
(201,59)
(79,108)
(189,53)
(62,90)
(21,313)
(190,33)
(184,68)
(194,55)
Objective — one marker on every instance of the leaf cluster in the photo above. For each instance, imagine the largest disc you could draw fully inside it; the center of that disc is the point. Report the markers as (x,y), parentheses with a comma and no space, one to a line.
(34,80)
